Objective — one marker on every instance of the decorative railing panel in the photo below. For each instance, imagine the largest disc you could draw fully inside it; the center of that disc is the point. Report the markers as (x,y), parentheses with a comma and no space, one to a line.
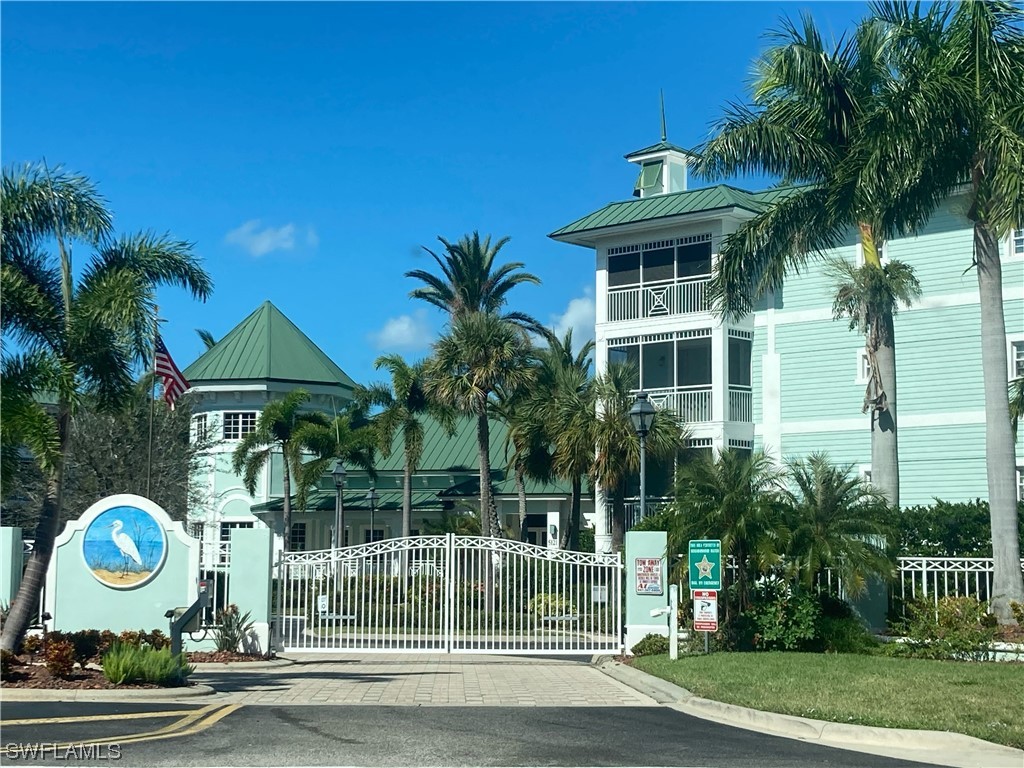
(681,297)
(691,404)
(741,404)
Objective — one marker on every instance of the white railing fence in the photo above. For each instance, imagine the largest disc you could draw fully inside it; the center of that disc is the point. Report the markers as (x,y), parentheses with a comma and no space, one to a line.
(938,577)
(741,404)
(691,404)
(662,299)
(214,566)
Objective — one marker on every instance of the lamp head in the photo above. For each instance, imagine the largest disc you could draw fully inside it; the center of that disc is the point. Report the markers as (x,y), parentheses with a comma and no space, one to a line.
(338,473)
(642,414)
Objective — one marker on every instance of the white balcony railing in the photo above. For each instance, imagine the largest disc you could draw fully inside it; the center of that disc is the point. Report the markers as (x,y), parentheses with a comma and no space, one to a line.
(680,297)
(691,404)
(741,404)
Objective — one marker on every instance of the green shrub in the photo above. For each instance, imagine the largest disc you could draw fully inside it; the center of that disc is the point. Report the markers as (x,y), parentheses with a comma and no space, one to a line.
(126,664)
(782,618)
(86,644)
(957,628)
(1017,609)
(847,635)
(32,644)
(232,629)
(651,645)
(545,605)
(60,657)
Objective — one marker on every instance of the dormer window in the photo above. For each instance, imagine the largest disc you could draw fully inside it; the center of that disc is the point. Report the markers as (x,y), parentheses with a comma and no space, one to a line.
(650,182)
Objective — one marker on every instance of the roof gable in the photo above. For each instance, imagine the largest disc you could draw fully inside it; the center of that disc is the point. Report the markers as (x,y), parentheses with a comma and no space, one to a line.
(267,346)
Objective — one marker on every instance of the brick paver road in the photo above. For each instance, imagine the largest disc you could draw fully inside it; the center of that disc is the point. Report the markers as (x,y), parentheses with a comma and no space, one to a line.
(420,680)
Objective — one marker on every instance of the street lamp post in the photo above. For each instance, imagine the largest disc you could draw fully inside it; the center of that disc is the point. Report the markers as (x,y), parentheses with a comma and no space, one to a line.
(373,498)
(338,473)
(642,416)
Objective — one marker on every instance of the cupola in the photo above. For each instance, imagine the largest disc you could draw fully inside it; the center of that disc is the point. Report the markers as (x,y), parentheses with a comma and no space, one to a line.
(663,166)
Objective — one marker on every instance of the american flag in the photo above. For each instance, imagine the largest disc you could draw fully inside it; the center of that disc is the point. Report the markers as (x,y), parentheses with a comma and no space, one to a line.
(174,382)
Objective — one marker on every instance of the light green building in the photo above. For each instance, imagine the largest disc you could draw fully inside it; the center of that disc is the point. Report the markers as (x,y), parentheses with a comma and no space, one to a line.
(788,378)
(266,356)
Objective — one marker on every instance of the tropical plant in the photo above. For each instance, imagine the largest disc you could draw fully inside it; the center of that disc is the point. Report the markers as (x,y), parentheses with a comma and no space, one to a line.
(480,354)
(404,404)
(282,427)
(75,336)
(208,339)
(232,630)
(813,111)
(459,522)
(470,283)
(959,118)
(737,498)
(617,445)
(836,521)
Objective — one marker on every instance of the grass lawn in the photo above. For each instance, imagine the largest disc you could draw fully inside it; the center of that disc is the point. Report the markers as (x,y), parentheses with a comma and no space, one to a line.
(982,700)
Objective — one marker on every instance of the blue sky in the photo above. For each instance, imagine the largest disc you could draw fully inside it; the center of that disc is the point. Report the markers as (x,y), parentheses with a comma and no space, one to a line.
(310,150)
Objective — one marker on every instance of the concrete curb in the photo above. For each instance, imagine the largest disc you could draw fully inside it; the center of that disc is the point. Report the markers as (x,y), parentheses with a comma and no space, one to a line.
(111,694)
(234,666)
(861,737)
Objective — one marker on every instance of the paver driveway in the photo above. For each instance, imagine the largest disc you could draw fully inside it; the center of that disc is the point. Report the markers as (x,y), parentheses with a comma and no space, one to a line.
(426,680)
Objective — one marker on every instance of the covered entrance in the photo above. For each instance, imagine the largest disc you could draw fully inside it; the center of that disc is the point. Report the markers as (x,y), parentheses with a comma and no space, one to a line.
(449,594)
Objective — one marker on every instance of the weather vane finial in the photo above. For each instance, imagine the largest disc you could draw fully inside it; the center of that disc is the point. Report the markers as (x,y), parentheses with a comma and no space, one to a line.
(664,131)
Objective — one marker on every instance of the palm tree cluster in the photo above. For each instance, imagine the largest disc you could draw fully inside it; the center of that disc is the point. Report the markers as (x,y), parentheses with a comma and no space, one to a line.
(796,521)
(870,135)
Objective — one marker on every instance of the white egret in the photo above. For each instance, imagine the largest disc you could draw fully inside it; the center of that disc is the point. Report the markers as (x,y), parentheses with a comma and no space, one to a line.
(124,543)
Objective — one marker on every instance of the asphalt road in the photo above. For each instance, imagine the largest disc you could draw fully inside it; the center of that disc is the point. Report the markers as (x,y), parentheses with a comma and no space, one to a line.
(219,735)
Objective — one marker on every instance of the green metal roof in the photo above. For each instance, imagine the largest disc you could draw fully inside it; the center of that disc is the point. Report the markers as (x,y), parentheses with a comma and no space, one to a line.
(661,146)
(718,197)
(267,346)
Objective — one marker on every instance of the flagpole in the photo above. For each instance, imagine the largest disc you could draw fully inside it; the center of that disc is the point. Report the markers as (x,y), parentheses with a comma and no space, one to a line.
(152,404)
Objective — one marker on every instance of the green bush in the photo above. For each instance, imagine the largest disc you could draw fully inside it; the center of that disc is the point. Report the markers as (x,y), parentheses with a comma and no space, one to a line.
(1017,609)
(60,657)
(232,629)
(948,529)
(6,664)
(126,664)
(548,604)
(651,645)
(845,635)
(86,644)
(957,628)
(782,618)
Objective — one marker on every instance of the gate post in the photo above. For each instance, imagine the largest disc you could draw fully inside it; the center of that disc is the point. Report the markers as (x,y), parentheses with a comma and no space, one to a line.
(250,580)
(449,593)
(646,585)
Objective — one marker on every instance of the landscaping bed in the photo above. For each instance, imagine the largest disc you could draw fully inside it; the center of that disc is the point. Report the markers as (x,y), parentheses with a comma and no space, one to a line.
(223,657)
(88,679)
(984,700)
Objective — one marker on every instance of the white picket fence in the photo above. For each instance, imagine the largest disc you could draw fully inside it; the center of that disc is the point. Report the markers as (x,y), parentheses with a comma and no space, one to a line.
(938,577)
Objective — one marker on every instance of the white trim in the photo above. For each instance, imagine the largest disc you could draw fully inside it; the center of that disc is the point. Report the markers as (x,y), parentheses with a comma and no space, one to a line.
(863,372)
(864,472)
(1013,340)
(927,302)
(1011,252)
(953,418)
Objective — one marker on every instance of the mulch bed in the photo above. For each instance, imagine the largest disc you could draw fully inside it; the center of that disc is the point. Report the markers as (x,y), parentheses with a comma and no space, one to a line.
(223,657)
(37,676)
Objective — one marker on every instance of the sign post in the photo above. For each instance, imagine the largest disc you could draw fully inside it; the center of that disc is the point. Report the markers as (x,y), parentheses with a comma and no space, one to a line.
(705,566)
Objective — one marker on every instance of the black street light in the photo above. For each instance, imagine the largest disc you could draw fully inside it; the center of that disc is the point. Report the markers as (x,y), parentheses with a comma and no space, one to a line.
(338,473)
(642,416)
(373,498)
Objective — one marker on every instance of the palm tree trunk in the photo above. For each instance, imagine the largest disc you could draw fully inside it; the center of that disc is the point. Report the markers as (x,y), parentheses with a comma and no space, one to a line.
(483,437)
(31,588)
(1007,581)
(618,518)
(286,486)
(521,491)
(572,539)
(407,499)
(885,472)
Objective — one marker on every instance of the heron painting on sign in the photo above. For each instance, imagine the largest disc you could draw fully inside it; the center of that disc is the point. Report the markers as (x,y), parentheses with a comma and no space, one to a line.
(124,547)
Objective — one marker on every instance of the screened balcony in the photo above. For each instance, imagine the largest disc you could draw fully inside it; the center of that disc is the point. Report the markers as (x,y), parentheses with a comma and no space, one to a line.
(659,279)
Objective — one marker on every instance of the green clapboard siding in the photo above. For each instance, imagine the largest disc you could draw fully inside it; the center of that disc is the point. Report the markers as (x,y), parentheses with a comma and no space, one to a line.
(819,370)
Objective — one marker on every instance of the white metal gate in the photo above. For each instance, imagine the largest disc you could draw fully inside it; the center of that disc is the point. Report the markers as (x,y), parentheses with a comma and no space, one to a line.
(449,594)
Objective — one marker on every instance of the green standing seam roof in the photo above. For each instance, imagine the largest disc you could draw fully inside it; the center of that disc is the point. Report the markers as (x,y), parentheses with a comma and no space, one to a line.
(661,146)
(267,346)
(719,197)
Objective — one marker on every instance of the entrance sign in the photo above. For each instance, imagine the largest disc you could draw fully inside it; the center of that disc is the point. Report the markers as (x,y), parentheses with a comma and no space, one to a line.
(124,546)
(705,610)
(648,576)
(705,559)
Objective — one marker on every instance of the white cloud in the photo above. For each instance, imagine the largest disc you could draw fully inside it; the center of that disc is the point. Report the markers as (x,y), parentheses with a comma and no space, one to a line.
(312,238)
(261,241)
(580,315)
(405,333)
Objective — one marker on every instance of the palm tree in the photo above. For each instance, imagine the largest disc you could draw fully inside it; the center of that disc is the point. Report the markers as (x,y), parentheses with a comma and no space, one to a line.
(835,521)
(525,444)
(405,403)
(480,354)
(77,336)
(617,445)
(209,342)
(282,427)
(737,498)
(964,127)
(808,123)
(564,402)
(470,283)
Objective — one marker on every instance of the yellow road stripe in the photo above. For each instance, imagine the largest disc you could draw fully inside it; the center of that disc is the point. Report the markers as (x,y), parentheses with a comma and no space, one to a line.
(194,722)
(96,718)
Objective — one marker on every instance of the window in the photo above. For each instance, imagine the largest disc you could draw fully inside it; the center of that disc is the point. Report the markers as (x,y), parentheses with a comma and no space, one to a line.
(739,362)
(378,535)
(1017,242)
(656,365)
(1020,483)
(649,181)
(195,529)
(627,355)
(199,422)
(865,473)
(1016,359)
(657,265)
(694,259)
(238,424)
(624,269)
(693,362)
(297,540)
(863,367)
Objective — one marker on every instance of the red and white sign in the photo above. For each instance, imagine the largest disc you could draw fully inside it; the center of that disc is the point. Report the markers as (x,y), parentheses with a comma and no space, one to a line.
(705,610)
